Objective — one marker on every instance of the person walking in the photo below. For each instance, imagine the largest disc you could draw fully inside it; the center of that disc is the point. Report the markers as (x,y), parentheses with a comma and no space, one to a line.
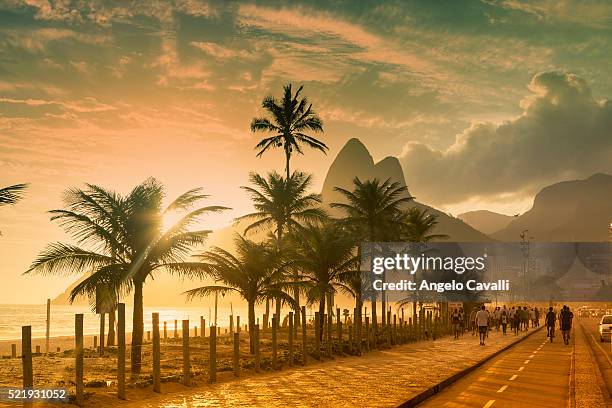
(482,321)
(455,321)
(550,323)
(504,321)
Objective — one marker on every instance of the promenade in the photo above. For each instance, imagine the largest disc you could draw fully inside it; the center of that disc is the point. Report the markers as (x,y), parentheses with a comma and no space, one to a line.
(377,379)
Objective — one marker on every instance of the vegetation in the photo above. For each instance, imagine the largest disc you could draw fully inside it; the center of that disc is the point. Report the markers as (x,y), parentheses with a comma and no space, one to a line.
(121,243)
(12,194)
(373,213)
(256,273)
(288,119)
(323,253)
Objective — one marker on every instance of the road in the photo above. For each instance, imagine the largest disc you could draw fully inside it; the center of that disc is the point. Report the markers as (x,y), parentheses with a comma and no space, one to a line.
(534,372)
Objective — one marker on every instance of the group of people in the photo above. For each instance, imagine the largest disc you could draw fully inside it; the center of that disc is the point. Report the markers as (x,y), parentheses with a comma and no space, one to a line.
(518,318)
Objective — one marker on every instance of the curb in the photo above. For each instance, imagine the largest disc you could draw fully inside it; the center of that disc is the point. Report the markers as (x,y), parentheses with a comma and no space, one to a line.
(571,401)
(435,389)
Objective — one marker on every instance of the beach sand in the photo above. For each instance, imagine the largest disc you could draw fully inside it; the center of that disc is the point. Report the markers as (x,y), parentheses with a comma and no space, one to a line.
(57,369)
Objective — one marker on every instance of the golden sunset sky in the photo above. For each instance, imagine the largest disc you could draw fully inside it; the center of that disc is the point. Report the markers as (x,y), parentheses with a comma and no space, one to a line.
(484,102)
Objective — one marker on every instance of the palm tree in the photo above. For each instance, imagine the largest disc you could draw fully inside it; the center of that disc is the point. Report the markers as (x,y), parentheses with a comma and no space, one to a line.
(372,211)
(281,205)
(131,228)
(289,118)
(322,252)
(256,273)
(418,226)
(12,194)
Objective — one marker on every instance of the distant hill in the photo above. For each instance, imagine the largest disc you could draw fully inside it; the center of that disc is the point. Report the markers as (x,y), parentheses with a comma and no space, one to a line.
(354,160)
(577,210)
(485,221)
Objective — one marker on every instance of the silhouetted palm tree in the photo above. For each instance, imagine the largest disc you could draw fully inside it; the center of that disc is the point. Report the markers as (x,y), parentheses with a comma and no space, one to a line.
(372,213)
(131,227)
(256,273)
(288,119)
(418,225)
(12,194)
(322,253)
(282,205)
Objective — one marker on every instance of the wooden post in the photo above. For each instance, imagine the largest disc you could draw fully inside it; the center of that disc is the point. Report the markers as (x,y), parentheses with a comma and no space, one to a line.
(367,330)
(102,315)
(195,331)
(186,368)
(212,370)
(175,329)
(290,338)
(121,351)
(237,354)
(78,348)
(165,331)
(357,326)
(274,341)
(231,328)
(304,337)
(148,335)
(48,329)
(95,345)
(13,351)
(389,331)
(339,331)
(58,349)
(156,354)
(257,355)
(202,327)
(394,338)
(238,324)
(350,338)
(317,330)
(37,349)
(329,323)
(26,355)
(410,329)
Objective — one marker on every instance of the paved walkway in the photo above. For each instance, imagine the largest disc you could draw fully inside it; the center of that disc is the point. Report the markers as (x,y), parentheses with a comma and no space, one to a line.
(535,372)
(377,379)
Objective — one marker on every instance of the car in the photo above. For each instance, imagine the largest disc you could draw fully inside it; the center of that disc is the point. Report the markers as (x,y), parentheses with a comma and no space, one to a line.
(605,327)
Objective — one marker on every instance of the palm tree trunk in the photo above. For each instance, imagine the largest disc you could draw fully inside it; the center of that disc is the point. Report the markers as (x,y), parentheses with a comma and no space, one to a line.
(287,158)
(383,318)
(321,314)
(278,311)
(111,328)
(251,318)
(374,320)
(267,314)
(137,327)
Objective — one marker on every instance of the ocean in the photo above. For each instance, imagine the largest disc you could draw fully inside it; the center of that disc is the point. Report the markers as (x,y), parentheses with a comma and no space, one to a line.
(12,317)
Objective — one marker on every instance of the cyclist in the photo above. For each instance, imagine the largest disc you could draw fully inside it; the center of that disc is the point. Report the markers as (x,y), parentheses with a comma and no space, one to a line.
(566,323)
(550,323)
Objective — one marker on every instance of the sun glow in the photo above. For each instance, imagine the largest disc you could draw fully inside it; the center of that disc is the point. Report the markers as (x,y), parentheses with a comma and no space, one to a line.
(170,219)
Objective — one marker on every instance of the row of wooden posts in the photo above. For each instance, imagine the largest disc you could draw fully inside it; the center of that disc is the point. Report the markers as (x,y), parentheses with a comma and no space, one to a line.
(398,332)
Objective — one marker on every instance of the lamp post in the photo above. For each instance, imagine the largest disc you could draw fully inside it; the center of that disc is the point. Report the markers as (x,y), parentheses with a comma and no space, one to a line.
(525,250)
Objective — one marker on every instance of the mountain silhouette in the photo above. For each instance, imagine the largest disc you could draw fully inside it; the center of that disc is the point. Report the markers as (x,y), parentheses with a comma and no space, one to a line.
(485,221)
(354,160)
(577,210)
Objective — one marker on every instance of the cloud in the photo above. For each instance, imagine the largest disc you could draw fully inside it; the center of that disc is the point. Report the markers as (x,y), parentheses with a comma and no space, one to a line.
(86,105)
(562,133)
(328,29)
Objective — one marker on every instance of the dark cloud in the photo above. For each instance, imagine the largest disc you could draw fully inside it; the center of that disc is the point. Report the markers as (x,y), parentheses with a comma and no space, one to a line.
(563,132)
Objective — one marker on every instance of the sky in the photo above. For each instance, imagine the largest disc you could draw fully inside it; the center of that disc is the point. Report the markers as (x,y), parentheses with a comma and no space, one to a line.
(484,102)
